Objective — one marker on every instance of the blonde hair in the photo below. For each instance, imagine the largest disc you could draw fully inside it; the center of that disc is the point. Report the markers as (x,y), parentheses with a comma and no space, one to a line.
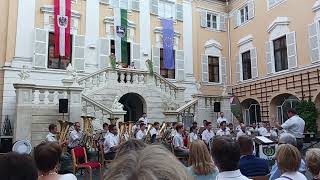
(313,160)
(200,158)
(288,158)
(151,163)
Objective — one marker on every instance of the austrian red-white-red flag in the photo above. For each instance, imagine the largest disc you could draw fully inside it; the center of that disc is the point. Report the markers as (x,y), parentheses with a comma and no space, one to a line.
(62,19)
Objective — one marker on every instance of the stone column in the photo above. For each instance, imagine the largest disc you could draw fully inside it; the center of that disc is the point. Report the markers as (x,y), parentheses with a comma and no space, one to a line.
(23,121)
(145,33)
(75,107)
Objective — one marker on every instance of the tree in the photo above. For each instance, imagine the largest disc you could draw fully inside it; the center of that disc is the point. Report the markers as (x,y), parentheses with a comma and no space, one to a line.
(307,110)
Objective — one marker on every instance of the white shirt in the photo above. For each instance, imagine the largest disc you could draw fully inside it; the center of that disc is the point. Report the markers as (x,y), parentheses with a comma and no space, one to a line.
(67,177)
(178,141)
(110,141)
(154,131)
(206,135)
(145,120)
(173,132)
(272,133)
(221,119)
(51,137)
(241,133)
(263,131)
(221,132)
(141,134)
(295,126)
(235,175)
(193,137)
(74,138)
(292,175)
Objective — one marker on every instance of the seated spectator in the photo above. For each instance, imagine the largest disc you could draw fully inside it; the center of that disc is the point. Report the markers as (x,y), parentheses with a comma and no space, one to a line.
(223,131)
(130,145)
(151,163)
(250,165)
(46,156)
(286,138)
(312,160)
(226,156)
(14,166)
(288,159)
(179,148)
(243,131)
(193,134)
(202,166)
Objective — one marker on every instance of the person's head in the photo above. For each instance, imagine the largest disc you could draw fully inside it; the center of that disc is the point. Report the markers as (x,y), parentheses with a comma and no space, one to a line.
(194,124)
(179,128)
(47,156)
(200,158)
(291,112)
(15,166)
(130,145)
(77,126)
(53,128)
(225,153)
(156,125)
(287,138)
(194,129)
(204,123)
(254,125)
(221,114)
(230,126)
(223,125)
(113,129)
(243,127)
(313,161)
(209,125)
(288,158)
(144,115)
(246,145)
(153,163)
(105,126)
(142,126)
(268,127)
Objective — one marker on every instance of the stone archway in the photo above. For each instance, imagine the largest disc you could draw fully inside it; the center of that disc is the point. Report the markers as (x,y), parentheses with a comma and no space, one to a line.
(251,111)
(279,106)
(134,104)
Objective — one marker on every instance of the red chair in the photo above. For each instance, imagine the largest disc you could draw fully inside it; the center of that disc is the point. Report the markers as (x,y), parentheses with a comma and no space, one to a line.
(80,153)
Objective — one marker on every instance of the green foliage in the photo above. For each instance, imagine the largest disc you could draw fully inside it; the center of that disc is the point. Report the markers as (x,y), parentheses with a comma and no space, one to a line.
(113,61)
(307,110)
(150,66)
(237,112)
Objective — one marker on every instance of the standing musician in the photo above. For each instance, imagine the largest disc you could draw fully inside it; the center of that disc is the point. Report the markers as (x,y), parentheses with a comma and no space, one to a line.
(208,133)
(111,143)
(222,118)
(75,136)
(141,134)
(223,131)
(154,132)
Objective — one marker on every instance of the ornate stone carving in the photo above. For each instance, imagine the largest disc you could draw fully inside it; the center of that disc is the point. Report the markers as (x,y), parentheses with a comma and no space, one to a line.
(169,104)
(24,74)
(116,105)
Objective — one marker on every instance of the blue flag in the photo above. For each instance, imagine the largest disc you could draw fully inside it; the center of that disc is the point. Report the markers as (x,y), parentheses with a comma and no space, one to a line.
(168,38)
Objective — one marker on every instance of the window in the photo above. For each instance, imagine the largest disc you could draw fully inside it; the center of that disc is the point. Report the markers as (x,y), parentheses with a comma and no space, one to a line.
(246,66)
(211,21)
(280,54)
(252,114)
(112,47)
(244,14)
(272,3)
(166,73)
(213,68)
(113,50)
(166,9)
(57,62)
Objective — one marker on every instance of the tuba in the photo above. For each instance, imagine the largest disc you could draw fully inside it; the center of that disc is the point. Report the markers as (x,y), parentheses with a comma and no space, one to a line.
(148,135)
(163,128)
(64,130)
(87,137)
(130,125)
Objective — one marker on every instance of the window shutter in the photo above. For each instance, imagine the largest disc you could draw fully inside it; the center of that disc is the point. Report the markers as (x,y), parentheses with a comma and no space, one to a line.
(179,12)
(154,7)
(269,57)
(238,72)
(203,19)
(104,1)
(236,15)
(78,59)
(223,70)
(104,52)
(135,5)
(254,63)
(115,3)
(251,9)
(222,23)
(179,54)
(292,50)
(40,48)
(156,59)
(136,55)
(205,76)
(314,42)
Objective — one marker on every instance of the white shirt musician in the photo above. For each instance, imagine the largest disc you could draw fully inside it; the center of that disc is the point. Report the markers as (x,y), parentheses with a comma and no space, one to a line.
(263,131)
(222,132)
(208,133)
(221,119)
(51,137)
(75,136)
(111,141)
(243,131)
(144,119)
(154,131)
(141,134)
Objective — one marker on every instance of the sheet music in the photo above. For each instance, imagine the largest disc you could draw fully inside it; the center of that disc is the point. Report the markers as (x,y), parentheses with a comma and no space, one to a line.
(264,139)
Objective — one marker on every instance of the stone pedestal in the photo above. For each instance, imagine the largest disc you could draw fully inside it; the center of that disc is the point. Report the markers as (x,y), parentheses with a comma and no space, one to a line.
(75,104)
(171,116)
(119,114)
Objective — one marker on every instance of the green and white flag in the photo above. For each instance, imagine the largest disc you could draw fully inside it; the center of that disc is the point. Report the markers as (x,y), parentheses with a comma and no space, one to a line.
(121,25)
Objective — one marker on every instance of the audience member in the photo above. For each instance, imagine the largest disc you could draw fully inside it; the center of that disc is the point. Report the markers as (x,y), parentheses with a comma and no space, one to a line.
(313,162)
(223,131)
(250,165)
(208,133)
(202,166)
(46,156)
(243,131)
(193,134)
(14,166)
(151,163)
(288,159)
(194,124)
(130,145)
(179,148)
(286,138)
(226,156)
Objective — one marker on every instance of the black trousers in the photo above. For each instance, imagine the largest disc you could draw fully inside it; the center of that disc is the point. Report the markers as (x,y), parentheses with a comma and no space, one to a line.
(299,143)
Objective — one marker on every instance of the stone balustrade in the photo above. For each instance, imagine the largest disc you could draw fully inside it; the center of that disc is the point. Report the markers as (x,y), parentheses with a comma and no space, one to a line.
(168,87)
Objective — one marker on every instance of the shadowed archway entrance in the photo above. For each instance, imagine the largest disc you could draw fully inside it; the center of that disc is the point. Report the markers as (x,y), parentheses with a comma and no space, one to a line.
(134,104)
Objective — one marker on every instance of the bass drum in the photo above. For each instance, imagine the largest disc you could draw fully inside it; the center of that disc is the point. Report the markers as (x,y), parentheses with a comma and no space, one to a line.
(22,147)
